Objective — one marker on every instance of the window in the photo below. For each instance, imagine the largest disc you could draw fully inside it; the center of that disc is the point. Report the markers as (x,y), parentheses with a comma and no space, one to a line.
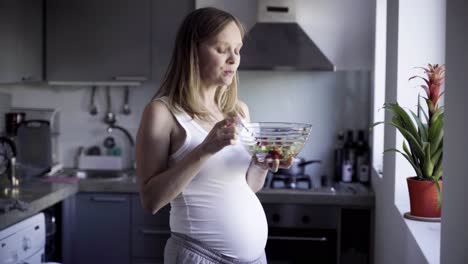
(378,114)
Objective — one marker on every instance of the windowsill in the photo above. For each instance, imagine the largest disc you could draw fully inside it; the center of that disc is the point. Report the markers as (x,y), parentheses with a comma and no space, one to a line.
(426,234)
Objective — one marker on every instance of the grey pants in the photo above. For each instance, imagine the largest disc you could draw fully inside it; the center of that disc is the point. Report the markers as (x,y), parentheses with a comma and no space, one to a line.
(182,249)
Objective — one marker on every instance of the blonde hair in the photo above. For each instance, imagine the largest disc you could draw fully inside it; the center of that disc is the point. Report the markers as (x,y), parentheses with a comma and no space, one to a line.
(181,83)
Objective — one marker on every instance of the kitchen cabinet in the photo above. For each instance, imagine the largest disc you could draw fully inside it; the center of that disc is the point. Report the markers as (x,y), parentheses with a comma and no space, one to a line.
(106,40)
(149,233)
(100,226)
(21,41)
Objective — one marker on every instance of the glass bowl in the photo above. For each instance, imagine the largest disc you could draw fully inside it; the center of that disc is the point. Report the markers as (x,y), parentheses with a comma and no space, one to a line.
(275,140)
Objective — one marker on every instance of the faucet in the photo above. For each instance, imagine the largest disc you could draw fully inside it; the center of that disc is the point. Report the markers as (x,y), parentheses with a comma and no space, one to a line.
(11,169)
(111,128)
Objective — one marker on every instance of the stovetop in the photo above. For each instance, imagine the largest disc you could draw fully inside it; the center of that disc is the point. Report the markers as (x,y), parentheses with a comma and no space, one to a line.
(301,182)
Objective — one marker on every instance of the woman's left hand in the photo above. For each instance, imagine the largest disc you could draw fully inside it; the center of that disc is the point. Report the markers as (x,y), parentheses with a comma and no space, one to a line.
(273,164)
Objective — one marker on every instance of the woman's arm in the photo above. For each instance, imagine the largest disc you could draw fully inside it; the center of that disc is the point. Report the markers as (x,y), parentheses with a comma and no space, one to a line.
(158,183)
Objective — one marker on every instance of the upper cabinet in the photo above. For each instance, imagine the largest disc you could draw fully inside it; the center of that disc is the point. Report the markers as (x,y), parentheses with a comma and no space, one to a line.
(106,40)
(21,42)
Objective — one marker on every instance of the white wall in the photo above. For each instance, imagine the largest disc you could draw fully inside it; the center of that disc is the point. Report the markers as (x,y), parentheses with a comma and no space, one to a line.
(408,35)
(329,101)
(455,198)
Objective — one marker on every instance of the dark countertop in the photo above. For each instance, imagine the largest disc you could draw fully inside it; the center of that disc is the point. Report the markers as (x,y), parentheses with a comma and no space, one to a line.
(36,196)
(39,195)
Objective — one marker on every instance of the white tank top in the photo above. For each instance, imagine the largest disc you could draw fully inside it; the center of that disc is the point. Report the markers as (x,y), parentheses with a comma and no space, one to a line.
(218,207)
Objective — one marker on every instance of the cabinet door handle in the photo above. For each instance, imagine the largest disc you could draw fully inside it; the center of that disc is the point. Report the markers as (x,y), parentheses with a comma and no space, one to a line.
(152,232)
(108,199)
(294,238)
(129,78)
(27,78)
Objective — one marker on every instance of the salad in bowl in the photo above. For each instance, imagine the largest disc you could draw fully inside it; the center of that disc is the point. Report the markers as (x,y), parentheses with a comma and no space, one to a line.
(274,140)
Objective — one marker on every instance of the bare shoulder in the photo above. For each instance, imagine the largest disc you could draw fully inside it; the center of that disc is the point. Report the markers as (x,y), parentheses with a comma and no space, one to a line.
(245,109)
(157,112)
(153,140)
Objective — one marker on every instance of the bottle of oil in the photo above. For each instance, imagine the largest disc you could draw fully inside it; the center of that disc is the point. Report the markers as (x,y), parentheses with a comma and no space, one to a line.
(349,160)
(339,156)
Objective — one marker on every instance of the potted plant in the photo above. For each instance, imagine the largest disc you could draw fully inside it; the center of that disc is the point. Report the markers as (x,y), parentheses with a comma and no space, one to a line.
(422,147)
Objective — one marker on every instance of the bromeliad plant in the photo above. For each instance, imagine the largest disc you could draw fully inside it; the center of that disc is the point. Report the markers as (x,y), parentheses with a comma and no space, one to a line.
(425,134)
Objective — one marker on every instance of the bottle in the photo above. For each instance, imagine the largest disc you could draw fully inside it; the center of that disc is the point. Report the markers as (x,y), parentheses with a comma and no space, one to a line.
(362,158)
(348,165)
(347,169)
(339,155)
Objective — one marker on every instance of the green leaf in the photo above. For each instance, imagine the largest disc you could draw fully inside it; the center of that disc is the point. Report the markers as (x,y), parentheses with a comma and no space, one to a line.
(438,170)
(421,128)
(436,130)
(415,163)
(376,124)
(412,141)
(436,156)
(407,123)
(416,168)
(439,113)
(428,166)
(421,110)
(405,148)
(437,141)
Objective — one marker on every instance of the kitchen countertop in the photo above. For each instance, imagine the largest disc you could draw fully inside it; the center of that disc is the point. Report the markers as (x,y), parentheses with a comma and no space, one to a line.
(39,195)
(36,196)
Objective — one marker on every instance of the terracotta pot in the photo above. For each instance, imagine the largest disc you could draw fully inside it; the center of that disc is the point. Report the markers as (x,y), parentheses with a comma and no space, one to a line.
(423,197)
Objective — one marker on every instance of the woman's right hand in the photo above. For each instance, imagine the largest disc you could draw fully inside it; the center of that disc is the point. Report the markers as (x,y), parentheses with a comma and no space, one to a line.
(224,133)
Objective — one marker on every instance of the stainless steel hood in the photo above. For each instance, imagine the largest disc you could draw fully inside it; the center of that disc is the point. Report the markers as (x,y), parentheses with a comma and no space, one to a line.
(277,42)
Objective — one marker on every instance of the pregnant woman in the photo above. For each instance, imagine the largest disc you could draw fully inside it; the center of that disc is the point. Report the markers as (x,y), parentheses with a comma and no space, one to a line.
(188,154)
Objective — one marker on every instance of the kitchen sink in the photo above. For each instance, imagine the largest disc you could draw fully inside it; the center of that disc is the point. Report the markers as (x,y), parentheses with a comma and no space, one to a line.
(101,174)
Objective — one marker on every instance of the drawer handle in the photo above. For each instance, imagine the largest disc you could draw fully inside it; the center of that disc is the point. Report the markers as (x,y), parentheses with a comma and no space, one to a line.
(27,78)
(294,238)
(152,232)
(109,199)
(130,78)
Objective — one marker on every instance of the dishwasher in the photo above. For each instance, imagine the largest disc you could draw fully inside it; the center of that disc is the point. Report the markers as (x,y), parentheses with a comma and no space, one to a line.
(24,242)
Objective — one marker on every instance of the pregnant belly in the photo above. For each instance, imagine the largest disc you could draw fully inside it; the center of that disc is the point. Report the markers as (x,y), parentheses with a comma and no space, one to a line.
(232,223)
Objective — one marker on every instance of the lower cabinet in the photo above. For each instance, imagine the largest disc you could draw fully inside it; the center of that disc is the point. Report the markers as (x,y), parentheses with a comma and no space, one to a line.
(100,229)
(112,228)
(149,233)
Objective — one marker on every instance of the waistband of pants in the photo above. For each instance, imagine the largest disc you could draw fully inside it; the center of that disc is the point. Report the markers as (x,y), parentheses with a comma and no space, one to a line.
(205,251)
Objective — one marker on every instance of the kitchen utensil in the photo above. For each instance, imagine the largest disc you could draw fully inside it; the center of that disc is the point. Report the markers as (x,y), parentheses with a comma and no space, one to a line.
(246,129)
(126,107)
(93,151)
(298,167)
(7,153)
(109,142)
(276,140)
(52,115)
(92,105)
(110,116)
(34,148)
(12,121)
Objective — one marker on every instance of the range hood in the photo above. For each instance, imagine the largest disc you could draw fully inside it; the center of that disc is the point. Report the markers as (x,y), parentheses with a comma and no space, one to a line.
(277,42)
